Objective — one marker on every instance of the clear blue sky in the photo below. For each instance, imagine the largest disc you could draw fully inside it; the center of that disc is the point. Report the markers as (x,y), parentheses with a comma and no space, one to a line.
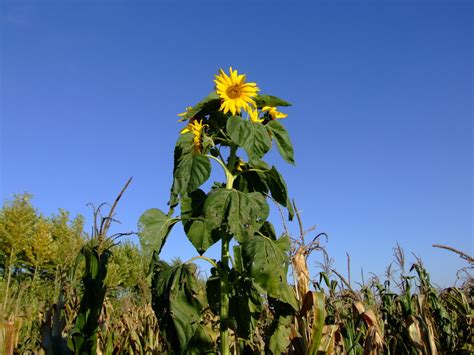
(381,122)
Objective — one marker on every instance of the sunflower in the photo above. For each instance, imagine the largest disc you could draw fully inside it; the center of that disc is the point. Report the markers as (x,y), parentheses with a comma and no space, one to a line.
(272,111)
(253,114)
(235,93)
(196,127)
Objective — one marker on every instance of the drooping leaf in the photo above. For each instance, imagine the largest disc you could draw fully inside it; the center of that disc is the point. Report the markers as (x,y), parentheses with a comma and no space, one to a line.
(177,301)
(195,226)
(242,213)
(201,235)
(251,136)
(264,181)
(154,227)
(269,100)
(191,169)
(267,262)
(282,139)
(277,186)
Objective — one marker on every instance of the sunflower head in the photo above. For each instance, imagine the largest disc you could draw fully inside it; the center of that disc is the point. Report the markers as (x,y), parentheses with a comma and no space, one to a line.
(274,114)
(235,93)
(253,114)
(196,127)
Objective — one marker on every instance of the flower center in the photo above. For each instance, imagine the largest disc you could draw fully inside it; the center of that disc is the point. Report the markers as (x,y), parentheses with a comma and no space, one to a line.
(233,92)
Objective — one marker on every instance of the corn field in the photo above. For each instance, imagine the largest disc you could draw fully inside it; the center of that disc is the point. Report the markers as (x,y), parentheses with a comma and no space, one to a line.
(68,292)
(403,314)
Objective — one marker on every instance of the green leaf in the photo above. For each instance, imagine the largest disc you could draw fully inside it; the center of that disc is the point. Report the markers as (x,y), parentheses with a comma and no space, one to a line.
(267,261)
(201,235)
(154,227)
(269,100)
(195,226)
(245,302)
(177,301)
(242,213)
(277,186)
(245,306)
(251,136)
(210,103)
(251,181)
(191,169)
(282,140)
(268,230)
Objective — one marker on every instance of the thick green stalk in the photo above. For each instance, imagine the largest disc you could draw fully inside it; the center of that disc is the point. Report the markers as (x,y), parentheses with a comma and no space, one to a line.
(224,268)
(224,272)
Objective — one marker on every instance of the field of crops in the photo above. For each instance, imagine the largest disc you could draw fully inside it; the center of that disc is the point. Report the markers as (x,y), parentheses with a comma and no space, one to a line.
(67,292)
(405,314)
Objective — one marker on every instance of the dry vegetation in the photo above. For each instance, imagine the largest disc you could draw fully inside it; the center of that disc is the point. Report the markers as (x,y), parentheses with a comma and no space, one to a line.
(42,291)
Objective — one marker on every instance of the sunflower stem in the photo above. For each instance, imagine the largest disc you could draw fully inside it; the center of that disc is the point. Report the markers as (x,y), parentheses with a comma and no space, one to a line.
(224,272)
(224,308)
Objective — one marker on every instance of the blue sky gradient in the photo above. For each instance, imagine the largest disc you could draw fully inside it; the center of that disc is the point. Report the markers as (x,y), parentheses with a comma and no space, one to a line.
(381,122)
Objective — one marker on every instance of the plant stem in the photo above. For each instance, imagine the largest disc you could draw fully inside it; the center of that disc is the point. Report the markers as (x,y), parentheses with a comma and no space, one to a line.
(224,272)
(224,310)
(210,261)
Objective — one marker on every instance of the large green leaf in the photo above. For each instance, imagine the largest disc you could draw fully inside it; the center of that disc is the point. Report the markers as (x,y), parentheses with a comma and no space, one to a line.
(251,181)
(277,186)
(191,169)
(195,226)
(210,103)
(251,136)
(153,229)
(177,301)
(269,100)
(242,213)
(201,235)
(267,261)
(282,140)
(267,180)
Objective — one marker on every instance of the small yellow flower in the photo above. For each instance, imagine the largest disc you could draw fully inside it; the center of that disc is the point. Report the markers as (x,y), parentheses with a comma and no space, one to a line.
(196,127)
(235,93)
(272,111)
(183,114)
(253,114)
